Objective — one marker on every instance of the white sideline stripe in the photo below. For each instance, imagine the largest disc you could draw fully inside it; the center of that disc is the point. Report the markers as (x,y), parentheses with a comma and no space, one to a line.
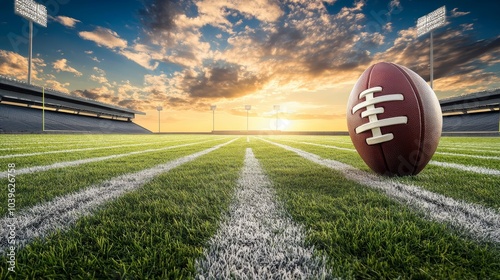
(470,150)
(34,169)
(479,221)
(471,156)
(73,150)
(258,239)
(470,168)
(41,219)
(91,144)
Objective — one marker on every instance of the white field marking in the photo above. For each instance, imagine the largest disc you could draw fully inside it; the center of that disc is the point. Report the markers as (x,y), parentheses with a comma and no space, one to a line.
(61,212)
(34,169)
(10,149)
(477,145)
(258,239)
(73,150)
(465,155)
(479,221)
(469,168)
(471,150)
(93,145)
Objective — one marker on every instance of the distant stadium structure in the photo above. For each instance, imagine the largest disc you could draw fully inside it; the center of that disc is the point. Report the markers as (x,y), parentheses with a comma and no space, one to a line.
(21,111)
(473,113)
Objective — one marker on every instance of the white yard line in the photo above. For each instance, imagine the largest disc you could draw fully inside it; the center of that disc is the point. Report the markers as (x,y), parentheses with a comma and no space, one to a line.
(470,150)
(465,155)
(73,150)
(258,239)
(479,221)
(41,219)
(41,168)
(469,168)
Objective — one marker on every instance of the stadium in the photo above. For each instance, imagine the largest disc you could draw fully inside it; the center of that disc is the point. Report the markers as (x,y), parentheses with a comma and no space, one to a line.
(90,189)
(23,108)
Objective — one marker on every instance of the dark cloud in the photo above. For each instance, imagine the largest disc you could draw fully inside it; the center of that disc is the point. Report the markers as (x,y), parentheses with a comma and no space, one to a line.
(159,15)
(456,53)
(222,81)
(177,102)
(462,55)
(86,94)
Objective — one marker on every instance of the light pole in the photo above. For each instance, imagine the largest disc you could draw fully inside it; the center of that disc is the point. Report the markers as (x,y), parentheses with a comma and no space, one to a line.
(248,108)
(33,12)
(276,108)
(213,107)
(159,108)
(428,23)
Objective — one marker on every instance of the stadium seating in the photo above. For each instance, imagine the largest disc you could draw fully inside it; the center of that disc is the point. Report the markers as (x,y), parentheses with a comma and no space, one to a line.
(485,121)
(18,119)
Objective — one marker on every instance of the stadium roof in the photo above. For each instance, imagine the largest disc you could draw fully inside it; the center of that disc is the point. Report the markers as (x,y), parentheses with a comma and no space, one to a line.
(16,91)
(489,99)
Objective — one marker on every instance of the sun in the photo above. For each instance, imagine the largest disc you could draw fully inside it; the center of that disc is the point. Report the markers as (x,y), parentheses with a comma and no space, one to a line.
(283,124)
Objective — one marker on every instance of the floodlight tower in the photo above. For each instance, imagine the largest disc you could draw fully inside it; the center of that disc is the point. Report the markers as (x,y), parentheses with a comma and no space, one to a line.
(427,24)
(277,109)
(213,107)
(33,12)
(248,108)
(159,108)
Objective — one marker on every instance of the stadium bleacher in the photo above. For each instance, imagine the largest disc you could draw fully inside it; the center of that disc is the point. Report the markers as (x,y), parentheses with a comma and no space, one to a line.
(472,113)
(484,121)
(21,112)
(18,119)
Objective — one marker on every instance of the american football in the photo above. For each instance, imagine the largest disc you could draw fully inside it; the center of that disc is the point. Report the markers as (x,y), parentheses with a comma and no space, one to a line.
(394,119)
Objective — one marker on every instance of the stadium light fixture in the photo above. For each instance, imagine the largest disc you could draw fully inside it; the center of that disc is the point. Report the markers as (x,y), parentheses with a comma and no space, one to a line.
(213,107)
(248,108)
(159,108)
(33,12)
(277,109)
(427,24)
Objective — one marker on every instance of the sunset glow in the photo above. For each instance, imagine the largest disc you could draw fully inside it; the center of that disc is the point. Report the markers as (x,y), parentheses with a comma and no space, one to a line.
(303,55)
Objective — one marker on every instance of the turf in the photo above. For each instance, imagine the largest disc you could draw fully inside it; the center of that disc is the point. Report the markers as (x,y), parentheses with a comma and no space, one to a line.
(155,232)
(468,186)
(365,234)
(43,186)
(159,230)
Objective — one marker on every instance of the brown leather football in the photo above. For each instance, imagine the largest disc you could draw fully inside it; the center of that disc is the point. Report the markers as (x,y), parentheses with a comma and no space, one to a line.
(394,119)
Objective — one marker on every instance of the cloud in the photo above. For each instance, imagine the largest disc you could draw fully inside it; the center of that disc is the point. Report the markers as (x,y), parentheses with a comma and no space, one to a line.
(61,65)
(159,16)
(141,58)
(54,84)
(104,37)
(455,13)
(458,57)
(66,21)
(99,79)
(14,65)
(225,81)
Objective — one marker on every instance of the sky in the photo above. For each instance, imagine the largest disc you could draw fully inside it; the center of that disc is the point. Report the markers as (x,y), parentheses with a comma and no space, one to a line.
(186,55)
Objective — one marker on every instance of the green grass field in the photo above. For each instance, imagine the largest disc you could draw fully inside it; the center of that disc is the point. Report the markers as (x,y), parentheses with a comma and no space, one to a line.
(159,220)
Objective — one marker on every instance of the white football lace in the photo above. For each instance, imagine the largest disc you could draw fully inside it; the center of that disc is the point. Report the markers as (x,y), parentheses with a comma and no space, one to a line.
(374,124)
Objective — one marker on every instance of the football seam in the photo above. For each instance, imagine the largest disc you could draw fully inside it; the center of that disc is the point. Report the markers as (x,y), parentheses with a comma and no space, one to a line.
(368,83)
(422,119)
